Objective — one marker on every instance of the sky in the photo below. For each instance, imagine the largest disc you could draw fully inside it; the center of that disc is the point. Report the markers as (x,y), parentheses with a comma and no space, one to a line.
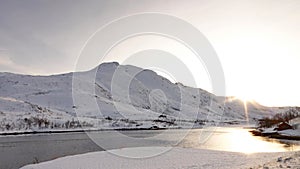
(257,42)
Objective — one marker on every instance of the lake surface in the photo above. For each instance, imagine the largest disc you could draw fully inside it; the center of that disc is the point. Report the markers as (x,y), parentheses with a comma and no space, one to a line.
(17,151)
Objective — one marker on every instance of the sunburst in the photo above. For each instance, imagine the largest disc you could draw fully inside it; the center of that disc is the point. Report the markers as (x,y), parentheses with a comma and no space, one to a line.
(245,101)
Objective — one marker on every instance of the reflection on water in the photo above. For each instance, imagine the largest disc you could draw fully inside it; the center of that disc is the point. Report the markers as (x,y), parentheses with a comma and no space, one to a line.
(238,140)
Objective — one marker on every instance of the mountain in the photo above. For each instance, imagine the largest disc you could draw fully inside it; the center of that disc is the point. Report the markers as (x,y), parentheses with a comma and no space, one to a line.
(114,96)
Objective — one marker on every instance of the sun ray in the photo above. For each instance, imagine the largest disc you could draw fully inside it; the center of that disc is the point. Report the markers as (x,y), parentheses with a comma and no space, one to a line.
(245,101)
(246,111)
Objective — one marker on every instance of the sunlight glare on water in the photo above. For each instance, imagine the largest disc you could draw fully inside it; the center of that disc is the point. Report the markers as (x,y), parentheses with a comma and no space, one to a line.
(239,140)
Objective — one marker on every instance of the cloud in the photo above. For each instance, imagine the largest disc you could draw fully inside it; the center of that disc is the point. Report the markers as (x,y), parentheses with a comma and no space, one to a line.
(8,65)
(48,35)
(4,60)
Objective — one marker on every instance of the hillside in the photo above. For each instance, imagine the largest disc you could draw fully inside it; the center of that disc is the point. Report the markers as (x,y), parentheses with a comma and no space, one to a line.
(114,96)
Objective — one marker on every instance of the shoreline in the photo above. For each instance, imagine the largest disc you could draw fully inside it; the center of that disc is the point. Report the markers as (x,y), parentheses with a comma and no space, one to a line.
(274,135)
(80,130)
(16,133)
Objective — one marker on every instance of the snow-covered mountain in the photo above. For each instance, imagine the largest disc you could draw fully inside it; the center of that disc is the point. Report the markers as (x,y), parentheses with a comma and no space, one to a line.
(114,96)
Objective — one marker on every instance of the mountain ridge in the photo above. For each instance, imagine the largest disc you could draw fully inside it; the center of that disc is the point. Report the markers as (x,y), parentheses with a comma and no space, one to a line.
(117,96)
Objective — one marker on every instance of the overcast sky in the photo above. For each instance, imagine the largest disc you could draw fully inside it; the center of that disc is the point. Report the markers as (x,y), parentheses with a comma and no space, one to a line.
(257,42)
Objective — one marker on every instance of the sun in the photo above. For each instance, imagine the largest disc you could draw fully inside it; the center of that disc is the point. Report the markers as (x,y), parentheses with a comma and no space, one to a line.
(245,99)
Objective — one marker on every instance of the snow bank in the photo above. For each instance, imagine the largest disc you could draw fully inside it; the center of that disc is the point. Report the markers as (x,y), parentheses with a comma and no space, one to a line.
(290,132)
(182,158)
(269,130)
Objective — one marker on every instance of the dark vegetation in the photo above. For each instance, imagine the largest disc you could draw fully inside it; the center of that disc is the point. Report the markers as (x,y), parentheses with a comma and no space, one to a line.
(42,123)
(279,118)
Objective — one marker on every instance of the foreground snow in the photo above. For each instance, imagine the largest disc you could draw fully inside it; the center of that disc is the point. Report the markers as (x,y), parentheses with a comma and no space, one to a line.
(183,158)
(292,161)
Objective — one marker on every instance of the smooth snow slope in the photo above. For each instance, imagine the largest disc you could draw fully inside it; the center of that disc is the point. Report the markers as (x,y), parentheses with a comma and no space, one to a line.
(179,158)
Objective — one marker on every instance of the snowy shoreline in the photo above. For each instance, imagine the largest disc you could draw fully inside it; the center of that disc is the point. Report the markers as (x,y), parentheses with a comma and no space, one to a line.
(80,130)
(76,131)
(181,158)
(291,134)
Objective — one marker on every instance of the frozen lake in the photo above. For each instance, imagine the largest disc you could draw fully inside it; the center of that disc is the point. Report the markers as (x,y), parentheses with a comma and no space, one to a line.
(17,151)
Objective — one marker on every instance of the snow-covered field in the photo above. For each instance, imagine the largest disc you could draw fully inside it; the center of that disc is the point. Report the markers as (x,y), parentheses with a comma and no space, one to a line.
(70,101)
(179,158)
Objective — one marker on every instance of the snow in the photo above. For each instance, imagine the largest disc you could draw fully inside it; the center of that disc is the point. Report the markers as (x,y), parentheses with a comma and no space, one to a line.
(181,158)
(291,161)
(295,123)
(290,132)
(72,102)
(269,130)
(52,102)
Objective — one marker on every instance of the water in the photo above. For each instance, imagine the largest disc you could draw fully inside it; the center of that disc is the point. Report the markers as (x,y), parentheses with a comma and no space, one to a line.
(21,150)
(239,140)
